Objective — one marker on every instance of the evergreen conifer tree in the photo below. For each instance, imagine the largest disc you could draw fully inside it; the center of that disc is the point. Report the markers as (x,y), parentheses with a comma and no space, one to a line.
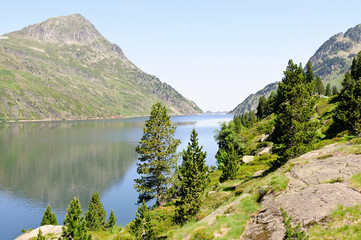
(231,163)
(40,235)
(96,215)
(112,220)
(49,217)
(142,226)
(319,87)
(309,77)
(262,107)
(347,114)
(158,150)
(334,91)
(328,90)
(295,125)
(74,222)
(193,178)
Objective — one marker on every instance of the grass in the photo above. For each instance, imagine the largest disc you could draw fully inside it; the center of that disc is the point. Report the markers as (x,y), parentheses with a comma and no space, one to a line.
(355,181)
(344,223)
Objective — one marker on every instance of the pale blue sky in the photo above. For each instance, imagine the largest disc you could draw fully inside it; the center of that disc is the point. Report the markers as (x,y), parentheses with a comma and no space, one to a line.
(215,53)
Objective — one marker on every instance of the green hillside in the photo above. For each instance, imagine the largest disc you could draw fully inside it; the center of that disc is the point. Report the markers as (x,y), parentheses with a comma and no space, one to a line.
(64,68)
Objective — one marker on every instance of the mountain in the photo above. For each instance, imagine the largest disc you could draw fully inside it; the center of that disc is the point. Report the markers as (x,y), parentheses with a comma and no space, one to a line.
(64,68)
(334,57)
(330,62)
(251,102)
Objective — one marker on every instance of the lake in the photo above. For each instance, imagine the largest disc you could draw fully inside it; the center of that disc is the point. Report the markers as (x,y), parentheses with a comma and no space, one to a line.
(45,163)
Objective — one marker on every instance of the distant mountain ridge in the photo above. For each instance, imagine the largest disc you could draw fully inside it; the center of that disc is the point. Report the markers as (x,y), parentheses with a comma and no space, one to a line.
(251,102)
(63,68)
(330,62)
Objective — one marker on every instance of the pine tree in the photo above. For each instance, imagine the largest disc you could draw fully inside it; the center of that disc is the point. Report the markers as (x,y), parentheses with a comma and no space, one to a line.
(74,222)
(347,114)
(319,87)
(309,77)
(295,125)
(328,90)
(334,91)
(40,235)
(96,215)
(112,220)
(142,227)
(193,178)
(49,217)
(158,150)
(231,163)
(261,108)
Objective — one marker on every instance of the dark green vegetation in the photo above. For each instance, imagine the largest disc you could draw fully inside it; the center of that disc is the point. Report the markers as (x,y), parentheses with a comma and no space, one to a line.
(158,155)
(49,217)
(64,68)
(142,227)
(95,216)
(193,177)
(292,232)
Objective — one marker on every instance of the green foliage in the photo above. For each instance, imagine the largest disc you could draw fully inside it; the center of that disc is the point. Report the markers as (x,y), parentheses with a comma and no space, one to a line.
(262,107)
(40,235)
(201,234)
(74,222)
(231,162)
(343,223)
(112,220)
(334,91)
(309,77)
(328,90)
(295,125)
(319,87)
(141,227)
(96,215)
(193,178)
(292,232)
(49,217)
(158,150)
(356,180)
(347,114)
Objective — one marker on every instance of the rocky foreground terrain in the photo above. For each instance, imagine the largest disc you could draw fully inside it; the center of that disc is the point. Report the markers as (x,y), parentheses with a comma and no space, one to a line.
(319,181)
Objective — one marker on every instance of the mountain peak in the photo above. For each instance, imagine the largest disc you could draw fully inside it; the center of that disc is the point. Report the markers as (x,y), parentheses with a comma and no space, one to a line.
(71,29)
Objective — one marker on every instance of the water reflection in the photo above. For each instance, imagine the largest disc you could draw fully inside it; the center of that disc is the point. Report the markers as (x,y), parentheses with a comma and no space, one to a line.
(52,162)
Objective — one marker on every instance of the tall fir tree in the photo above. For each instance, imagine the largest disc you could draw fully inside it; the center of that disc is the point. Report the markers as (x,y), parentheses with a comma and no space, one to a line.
(328,91)
(262,107)
(158,155)
(142,227)
(334,91)
(74,222)
(112,220)
(194,177)
(49,217)
(231,162)
(295,125)
(319,87)
(347,114)
(95,216)
(309,77)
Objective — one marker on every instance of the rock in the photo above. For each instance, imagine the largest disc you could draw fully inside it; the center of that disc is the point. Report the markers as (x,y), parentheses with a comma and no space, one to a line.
(258,174)
(309,198)
(247,158)
(264,137)
(57,230)
(266,150)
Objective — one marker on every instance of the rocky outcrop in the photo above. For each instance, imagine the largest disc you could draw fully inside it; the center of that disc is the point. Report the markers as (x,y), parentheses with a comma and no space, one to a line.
(56,232)
(315,188)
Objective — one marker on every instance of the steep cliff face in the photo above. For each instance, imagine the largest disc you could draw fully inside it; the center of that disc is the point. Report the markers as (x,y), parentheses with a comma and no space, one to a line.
(64,68)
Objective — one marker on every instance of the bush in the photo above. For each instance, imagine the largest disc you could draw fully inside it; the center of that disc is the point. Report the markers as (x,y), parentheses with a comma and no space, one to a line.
(201,234)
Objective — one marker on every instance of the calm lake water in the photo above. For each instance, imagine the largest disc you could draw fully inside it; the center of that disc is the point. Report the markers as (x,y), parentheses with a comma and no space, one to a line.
(51,162)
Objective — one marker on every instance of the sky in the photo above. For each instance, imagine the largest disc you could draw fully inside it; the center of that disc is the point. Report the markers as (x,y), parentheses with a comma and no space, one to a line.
(214,52)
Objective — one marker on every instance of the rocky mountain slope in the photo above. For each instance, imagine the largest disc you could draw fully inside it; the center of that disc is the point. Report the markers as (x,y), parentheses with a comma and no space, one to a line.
(330,62)
(251,102)
(64,68)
